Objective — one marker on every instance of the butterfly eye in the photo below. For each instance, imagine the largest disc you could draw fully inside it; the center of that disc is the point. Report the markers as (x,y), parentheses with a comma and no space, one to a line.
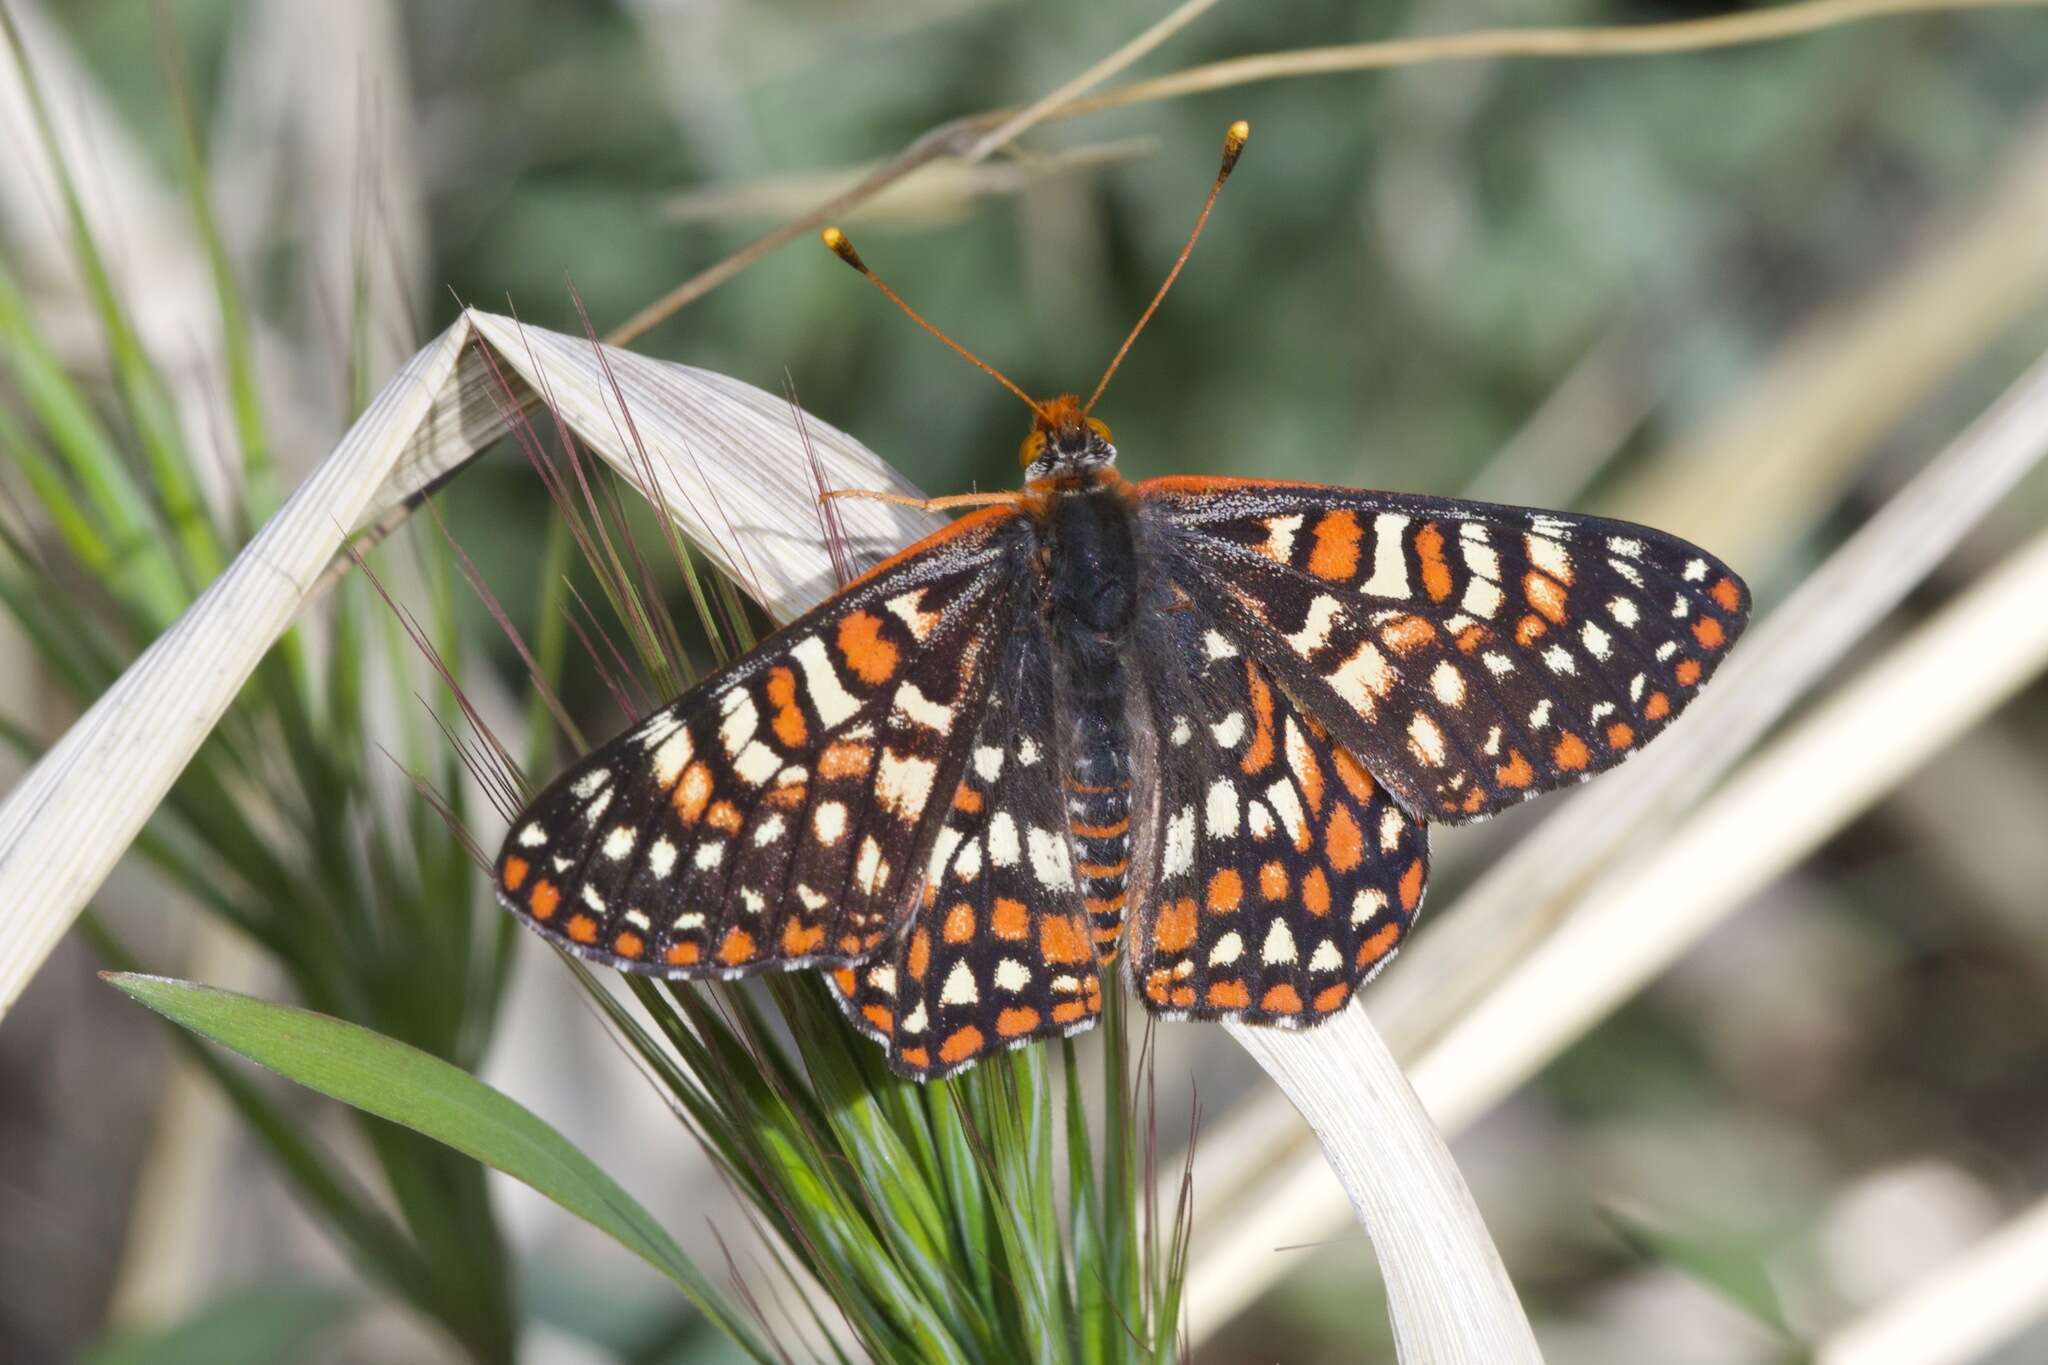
(1033,447)
(1100,428)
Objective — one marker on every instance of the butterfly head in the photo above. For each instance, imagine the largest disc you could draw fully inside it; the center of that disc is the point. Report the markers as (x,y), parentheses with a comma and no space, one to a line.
(1065,442)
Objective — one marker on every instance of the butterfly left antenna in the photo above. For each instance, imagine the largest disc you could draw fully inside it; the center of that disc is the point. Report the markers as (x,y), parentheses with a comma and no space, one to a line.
(842,247)
(1234,139)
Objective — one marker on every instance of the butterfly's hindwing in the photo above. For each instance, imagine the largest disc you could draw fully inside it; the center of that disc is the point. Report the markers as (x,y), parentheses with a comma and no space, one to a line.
(1276,875)
(1471,655)
(775,814)
(998,951)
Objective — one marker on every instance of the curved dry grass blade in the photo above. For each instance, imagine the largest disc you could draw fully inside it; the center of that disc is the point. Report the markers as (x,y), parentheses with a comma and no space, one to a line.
(1961,1312)
(1449,1297)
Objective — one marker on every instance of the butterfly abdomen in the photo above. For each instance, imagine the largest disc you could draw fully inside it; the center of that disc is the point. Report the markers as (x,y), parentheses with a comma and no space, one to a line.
(1092,564)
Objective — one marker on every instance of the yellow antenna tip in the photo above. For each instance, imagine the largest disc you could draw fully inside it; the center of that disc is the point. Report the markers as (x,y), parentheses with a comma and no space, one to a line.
(1234,139)
(840,246)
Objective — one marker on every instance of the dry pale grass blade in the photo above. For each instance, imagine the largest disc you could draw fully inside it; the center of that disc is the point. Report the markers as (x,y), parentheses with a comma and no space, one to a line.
(69,820)
(1963,1311)
(936,193)
(1450,1298)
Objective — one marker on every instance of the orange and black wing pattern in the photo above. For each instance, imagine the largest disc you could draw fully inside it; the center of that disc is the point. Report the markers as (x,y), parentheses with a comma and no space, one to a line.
(778,814)
(1469,655)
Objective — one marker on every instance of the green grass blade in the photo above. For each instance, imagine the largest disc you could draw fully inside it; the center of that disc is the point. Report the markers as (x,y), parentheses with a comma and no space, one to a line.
(245,1327)
(403,1085)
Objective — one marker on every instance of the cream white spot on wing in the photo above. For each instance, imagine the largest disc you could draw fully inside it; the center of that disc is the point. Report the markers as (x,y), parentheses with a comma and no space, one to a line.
(1390,829)
(1326,958)
(1559,659)
(1229,730)
(869,869)
(912,702)
(1550,557)
(757,763)
(693,919)
(915,1021)
(1540,716)
(1279,946)
(1028,752)
(959,988)
(813,901)
(1448,684)
(1182,732)
(752,901)
(661,858)
(1315,631)
(533,836)
(828,822)
(659,727)
(1492,747)
(619,842)
(1680,608)
(1280,531)
(1666,650)
(598,807)
(1366,904)
(1627,571)
(968,865)
(710,855)
(1482,597)
(827,694)
(1363,678)
(592,899)
(769,830)
(587,785)
(1179,848)
(672,757)
(1389,563)
(1287,806)
(1595,640)
(883,979)
(1258,819)
(942,851)
(1220,811)
(903,783)
(1482,559)
(1695,570)
(1623,611)
(1425,741)
(1012,975)
(1498,664)
(1635,687)
(1601,710)
(742,718)
(905,608)
(1622,545)
(988,762)
(1003,847)
(1228,949)
(1217,646)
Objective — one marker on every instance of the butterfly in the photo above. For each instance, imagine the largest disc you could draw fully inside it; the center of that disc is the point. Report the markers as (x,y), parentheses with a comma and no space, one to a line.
(1198,724)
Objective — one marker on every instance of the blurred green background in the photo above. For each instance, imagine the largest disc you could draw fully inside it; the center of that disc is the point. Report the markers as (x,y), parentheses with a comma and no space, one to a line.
(1550,281)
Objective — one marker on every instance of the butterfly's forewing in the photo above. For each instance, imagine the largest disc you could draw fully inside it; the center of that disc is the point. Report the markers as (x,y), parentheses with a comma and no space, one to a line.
(998,951)
(775,814)
(1470,655)
(1275,875)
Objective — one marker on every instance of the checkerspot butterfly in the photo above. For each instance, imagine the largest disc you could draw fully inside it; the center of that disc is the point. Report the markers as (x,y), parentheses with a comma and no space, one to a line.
(1198,723)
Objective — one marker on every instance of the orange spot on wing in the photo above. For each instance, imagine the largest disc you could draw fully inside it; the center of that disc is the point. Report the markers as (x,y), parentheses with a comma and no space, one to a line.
(916,1056)
(1709,633)
(787,797)
(959,927)
(788,724)
(1570,753)
(961,1044)
(1226,891)
(1471,637)
(1687,672)
(1410,888)
(693,793)
(1620,735)
(1315,892)
(872,657)
(843,978)
(920,956)
(1376,947)
(1545,594)
(684,955)
(1335,556)
(1353,775)
(543,901)
(1272,881)
(1343,841)
(582,928)
(1436,574)
(1259,752)
(1406,634)
(1009,919)
(1727,594)
(1012,1022)
(1229,995)
(799,940)
(1517,773)
(629,944)
(1474,799)
(1067,1011)
(1331,997)
(844,758)
(736,947)
(1174,929)
(1657,706)
(967,799)
(1529,630)
(1183,997)
(1281,999)
(880,1018)
(514,874)
(724,816)
(1061,939)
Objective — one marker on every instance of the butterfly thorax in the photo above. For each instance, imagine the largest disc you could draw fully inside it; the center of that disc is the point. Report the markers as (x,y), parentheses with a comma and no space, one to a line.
(1090,559)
